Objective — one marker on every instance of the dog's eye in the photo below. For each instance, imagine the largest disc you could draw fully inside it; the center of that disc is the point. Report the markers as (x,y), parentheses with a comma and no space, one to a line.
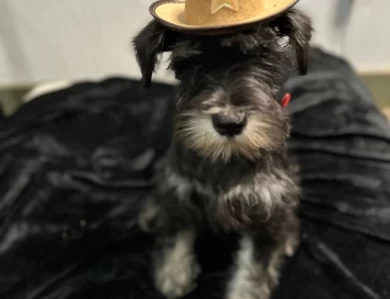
(184,67)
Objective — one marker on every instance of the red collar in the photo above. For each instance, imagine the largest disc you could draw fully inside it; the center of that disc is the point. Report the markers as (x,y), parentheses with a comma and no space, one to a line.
(286,100)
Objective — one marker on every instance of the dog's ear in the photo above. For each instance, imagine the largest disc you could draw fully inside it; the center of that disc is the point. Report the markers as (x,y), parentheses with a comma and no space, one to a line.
(298,28)
(149,44)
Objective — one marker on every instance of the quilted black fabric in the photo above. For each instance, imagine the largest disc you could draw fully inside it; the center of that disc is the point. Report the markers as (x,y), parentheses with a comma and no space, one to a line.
(75,165)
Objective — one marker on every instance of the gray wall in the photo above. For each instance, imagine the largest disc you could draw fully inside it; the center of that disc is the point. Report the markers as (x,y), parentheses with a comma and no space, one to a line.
(44,40)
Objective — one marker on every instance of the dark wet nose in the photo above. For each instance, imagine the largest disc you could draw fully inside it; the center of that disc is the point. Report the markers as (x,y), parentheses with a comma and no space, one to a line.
(229,124)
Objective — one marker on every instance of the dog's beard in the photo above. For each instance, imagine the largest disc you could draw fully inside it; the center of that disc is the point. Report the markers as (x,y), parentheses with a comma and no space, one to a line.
(196,131)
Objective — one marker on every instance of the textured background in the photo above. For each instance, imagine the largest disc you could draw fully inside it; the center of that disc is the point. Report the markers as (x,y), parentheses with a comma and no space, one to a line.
(72,176)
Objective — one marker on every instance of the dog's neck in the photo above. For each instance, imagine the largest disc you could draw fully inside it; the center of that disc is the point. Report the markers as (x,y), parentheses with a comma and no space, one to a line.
(220,174)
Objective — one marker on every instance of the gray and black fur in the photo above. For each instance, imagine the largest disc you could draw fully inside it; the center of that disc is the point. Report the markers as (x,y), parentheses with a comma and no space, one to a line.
(227,168)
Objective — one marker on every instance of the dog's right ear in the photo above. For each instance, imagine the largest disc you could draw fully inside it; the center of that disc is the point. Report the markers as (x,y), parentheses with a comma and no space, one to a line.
(149,44)
(298,28)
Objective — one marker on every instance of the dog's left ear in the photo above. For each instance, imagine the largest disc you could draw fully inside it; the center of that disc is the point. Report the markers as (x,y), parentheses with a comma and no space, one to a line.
(298,28)
(149,44)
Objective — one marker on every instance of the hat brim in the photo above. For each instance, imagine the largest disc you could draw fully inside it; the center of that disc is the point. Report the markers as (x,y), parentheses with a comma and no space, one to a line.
(170,13)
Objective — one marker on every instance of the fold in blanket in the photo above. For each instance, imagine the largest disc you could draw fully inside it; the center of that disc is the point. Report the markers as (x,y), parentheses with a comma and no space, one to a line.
(75,165)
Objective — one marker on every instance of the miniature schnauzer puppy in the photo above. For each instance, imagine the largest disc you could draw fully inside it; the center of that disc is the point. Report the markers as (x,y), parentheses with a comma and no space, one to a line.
(227,168)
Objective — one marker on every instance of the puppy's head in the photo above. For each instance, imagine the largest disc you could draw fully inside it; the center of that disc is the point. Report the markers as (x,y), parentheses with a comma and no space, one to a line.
(229,97)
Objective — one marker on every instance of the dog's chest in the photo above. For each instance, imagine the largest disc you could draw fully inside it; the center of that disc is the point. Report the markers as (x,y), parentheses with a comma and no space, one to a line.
(224,206)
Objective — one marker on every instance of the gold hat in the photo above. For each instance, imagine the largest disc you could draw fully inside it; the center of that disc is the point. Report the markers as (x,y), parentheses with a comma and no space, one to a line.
(216,15)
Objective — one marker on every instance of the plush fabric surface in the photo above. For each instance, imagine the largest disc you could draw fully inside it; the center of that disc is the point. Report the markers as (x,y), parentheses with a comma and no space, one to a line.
(75,164)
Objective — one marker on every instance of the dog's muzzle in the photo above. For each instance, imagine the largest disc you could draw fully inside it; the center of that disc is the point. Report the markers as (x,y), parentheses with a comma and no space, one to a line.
(229,124)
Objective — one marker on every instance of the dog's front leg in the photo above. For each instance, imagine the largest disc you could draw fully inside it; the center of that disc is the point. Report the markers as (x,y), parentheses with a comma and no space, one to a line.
(176,268)
(256,273)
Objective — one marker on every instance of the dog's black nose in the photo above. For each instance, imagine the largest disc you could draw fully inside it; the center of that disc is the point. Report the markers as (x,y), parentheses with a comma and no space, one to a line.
(229,124)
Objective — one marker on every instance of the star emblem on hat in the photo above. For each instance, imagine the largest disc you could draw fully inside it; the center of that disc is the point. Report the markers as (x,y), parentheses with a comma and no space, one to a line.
(217,5)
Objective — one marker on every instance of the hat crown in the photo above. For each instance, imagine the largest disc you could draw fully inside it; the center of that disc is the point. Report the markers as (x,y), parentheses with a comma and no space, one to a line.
(216,16)
(219,12)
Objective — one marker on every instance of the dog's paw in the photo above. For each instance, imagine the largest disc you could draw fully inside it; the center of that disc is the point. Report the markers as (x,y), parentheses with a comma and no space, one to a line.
(250,291)
(291,245)
(151,217)
(177,278)
(250,294)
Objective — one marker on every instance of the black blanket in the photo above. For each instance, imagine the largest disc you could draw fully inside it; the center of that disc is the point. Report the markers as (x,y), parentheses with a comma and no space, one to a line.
(75,164)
